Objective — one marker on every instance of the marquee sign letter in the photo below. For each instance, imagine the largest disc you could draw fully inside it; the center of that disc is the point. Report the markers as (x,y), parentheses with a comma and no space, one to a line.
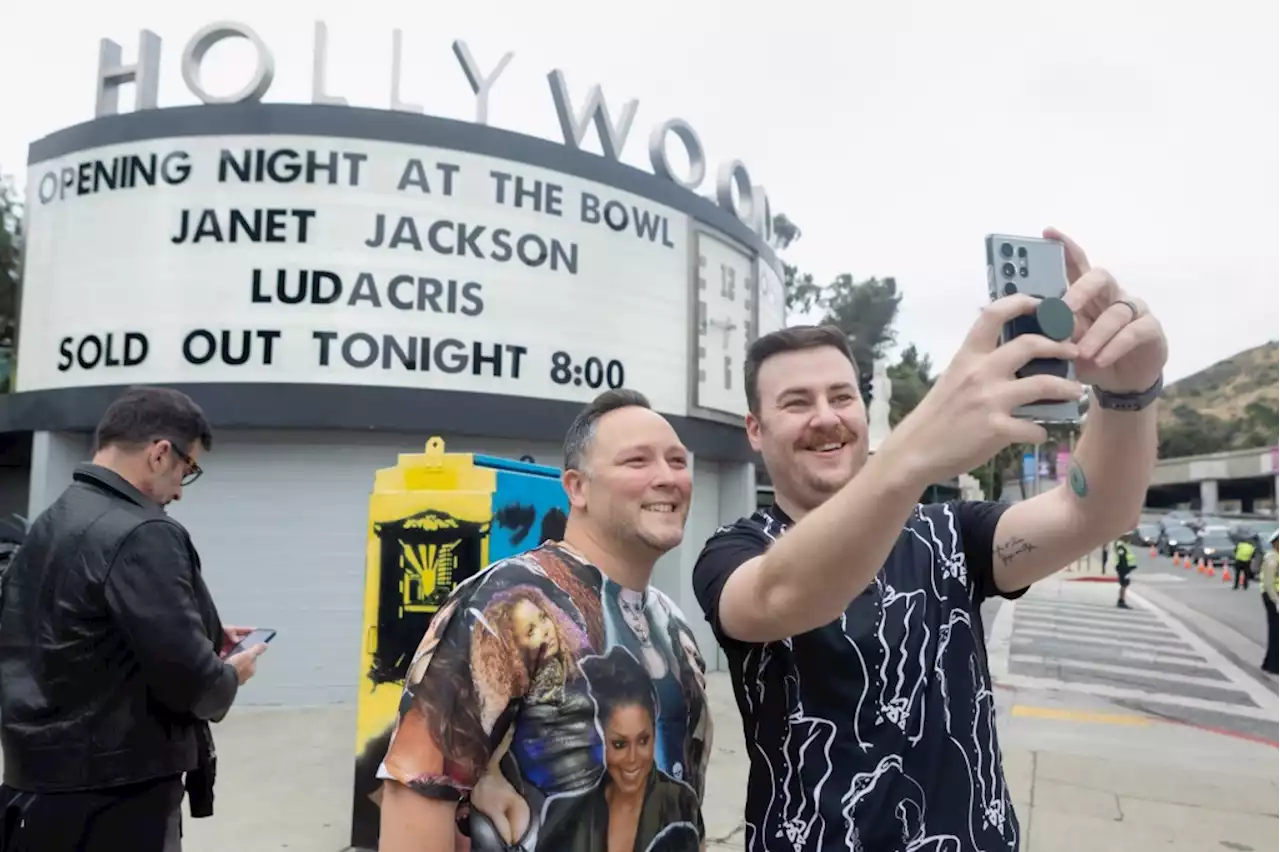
(204,40)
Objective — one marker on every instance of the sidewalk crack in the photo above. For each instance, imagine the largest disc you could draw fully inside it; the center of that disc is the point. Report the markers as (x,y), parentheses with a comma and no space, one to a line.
(726,838)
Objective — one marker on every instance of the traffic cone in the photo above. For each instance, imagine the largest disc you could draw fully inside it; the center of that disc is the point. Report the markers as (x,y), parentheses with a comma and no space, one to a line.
(1177,561)
(1226,573)
(1201,568)
(1153,552)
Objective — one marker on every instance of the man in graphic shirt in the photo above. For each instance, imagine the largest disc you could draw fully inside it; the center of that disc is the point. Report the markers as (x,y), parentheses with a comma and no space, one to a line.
(849,613)
(555,695)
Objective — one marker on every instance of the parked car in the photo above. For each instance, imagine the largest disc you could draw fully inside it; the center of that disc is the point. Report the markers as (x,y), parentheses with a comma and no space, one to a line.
(1217,530)
(1256,531)
(1176,539)
(1214,547)
(1144,535)
(1177,518)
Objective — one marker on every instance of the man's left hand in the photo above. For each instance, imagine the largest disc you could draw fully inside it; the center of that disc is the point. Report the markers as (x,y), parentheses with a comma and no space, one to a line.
(1122,345)
(231,636)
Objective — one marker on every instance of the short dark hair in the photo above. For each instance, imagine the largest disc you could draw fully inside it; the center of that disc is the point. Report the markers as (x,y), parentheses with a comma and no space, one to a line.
(790,339)
(141,415)
(583,429)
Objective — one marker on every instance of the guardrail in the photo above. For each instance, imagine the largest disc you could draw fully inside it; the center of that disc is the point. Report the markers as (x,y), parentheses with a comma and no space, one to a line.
(1233,516)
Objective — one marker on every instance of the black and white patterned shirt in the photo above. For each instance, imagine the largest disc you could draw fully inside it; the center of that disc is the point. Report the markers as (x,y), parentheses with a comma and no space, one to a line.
(877,731)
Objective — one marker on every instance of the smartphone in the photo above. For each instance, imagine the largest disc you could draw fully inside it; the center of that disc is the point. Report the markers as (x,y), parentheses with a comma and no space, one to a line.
(1037,267)
(259,636)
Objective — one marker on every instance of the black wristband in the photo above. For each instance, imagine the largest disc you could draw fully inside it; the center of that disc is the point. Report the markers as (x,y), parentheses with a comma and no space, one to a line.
(1128,401)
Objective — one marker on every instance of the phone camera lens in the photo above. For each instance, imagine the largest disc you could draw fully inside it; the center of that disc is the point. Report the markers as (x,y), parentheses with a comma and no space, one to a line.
(1022,251)
(1006,250)
(1023,272)
(1007,269)
(1010,289)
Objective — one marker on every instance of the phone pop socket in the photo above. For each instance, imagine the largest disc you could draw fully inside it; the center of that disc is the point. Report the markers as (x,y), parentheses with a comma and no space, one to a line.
(1055,319)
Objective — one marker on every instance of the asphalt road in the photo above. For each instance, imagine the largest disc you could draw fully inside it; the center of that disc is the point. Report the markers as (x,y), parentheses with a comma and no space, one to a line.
(1240,610)
(1162,658)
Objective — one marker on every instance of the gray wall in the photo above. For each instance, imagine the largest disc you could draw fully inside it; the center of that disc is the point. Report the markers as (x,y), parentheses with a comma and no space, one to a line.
(279,521)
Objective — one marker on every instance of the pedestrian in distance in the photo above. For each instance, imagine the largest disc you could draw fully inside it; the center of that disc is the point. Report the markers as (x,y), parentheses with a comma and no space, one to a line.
(1243,558)
(849,612)
(1126,564)
(1269,577)
(113,659)
(557,701)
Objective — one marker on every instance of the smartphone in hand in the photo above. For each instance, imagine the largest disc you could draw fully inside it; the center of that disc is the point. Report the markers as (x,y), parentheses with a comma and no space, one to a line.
(260,636)
(1037,267)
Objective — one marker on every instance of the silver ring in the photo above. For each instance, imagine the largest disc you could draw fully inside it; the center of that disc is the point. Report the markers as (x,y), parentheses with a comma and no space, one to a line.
(1130,305)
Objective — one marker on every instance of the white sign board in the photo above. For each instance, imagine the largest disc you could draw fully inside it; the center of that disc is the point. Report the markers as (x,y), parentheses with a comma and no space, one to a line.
(739,298)
(772,308)
(318,260)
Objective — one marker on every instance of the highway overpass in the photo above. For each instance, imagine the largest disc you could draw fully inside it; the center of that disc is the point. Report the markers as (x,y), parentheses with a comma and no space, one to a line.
(1232,481)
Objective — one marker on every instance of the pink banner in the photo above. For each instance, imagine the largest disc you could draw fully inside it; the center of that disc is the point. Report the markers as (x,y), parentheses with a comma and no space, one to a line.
(1064,463)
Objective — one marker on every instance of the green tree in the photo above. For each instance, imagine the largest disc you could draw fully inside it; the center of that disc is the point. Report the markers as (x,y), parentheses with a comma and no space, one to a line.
(864,310)
(801,293)
(912,380)
(10,257)
(10,275)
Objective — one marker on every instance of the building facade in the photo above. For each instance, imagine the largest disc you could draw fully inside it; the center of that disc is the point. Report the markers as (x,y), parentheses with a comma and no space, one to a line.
(336,285)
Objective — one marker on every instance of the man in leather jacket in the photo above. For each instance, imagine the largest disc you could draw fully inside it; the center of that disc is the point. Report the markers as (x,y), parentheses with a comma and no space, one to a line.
(113,660)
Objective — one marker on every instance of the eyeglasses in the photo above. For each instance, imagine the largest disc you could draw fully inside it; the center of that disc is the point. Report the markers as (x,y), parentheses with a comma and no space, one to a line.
(194,471)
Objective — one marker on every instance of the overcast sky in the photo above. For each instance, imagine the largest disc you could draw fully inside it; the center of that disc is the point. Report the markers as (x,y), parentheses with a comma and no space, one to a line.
(896,134)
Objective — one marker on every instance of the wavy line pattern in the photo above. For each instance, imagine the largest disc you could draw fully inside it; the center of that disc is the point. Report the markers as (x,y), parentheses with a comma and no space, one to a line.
(877,732)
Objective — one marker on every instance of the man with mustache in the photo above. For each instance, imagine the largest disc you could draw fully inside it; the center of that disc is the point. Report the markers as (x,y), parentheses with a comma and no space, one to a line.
(849,612)
(497,714)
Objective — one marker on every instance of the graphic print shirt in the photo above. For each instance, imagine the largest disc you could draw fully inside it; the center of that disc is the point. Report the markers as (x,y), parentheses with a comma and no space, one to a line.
(875,733)
(551,702)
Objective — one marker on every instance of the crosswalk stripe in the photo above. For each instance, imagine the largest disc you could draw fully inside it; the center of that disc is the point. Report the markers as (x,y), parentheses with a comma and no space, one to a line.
(1164,659)
(1086,639)
(1125,671)
(1262,696)
(1135,616)
(1095,625)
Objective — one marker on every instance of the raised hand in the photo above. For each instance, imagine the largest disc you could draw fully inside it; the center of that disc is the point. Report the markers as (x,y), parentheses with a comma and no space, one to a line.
(1122,345)
(968,415)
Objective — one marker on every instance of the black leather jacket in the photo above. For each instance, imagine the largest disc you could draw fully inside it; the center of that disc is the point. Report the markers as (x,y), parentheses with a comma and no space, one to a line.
(108,667)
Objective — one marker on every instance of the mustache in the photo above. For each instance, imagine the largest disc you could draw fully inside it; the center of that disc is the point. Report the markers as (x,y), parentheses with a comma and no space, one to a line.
(838,435)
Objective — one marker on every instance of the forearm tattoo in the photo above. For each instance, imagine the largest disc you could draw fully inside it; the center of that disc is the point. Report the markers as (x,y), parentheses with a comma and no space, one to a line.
(1013,548)
(1079,484)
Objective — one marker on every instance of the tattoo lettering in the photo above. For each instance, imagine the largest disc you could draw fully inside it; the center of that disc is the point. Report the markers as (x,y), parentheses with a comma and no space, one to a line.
(1013,548)
(1079,484)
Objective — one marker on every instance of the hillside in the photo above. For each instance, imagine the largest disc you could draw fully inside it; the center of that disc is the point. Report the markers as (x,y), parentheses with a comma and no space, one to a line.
(1233,404)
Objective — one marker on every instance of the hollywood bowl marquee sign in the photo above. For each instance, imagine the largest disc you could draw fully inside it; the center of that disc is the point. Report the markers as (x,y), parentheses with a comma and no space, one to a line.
(323,248)
(734,190)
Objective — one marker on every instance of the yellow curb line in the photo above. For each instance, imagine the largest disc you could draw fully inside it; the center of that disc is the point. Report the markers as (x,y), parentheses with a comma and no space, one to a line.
(1079,716)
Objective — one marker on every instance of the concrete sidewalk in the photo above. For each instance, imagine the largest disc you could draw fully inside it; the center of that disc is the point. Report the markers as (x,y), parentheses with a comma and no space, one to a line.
(1089,771)
(1085,773)
(1092,776)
